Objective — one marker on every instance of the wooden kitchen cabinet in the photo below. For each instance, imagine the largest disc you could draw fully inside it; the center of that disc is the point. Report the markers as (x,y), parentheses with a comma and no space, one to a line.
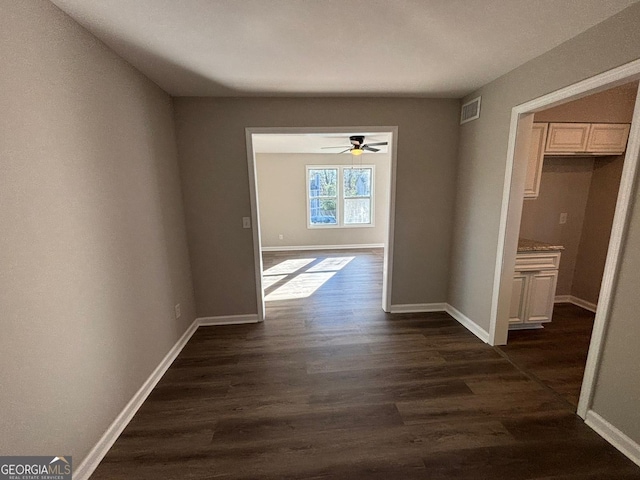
(567,138)
(587,138)
(517,310)
(608,138)
(534,289)
(535,160)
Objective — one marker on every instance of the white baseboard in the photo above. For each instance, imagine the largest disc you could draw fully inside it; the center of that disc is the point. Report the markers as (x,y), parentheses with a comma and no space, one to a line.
(227,320)
(443,307)
(469,324)
(614,436)
(562,299)
(576,301)
(323,247)
(97,453)
(418,308)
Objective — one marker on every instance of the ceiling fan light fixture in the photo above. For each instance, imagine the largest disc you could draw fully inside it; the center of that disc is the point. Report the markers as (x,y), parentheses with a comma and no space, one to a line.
(356,151)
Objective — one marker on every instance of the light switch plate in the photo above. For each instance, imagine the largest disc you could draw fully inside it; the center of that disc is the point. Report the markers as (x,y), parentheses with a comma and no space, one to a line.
(246,222)
(563,218)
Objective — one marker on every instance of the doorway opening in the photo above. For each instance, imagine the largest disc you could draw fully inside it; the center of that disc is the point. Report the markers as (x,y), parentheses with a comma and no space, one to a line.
(320,213)
(520,142)
(574,171)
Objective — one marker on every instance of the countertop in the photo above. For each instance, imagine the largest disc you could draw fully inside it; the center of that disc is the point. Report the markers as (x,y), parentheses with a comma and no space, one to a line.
(526,245)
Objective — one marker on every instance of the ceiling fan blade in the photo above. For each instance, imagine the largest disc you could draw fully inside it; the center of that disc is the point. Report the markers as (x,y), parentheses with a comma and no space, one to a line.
(340,146)
(347,150)
(371,149)
(377,143)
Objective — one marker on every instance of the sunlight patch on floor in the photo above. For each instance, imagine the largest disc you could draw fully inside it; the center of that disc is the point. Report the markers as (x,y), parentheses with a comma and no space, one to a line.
(270,280)
(331,264)
(301,285)
(289,266)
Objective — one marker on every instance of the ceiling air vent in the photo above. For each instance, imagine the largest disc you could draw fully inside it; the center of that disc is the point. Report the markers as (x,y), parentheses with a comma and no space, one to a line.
(470,111)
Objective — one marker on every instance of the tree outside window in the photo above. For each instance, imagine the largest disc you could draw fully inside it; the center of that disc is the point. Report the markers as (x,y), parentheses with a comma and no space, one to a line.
(355,200)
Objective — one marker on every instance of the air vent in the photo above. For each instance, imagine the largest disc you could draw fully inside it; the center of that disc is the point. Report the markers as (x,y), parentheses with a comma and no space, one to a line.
(470,111)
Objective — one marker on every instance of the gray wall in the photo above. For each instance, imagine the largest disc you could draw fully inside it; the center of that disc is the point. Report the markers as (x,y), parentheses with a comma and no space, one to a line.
(93,252)
(482,160)
(596,229)
(213,160)
(614,105)
(282,178)
(564,188)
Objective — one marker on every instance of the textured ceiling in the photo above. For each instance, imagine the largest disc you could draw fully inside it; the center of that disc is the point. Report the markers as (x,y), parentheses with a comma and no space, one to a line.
(439,48)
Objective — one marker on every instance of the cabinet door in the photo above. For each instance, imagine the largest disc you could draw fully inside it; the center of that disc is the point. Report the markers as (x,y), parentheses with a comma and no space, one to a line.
(536,158)
(567,138)
(518,298)
(542,292)
(608,138)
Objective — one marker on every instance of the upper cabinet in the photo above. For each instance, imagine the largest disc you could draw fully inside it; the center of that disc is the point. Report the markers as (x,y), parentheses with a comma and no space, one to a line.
(571,139)
(567,138)
(587,138)
(536,154)
(609,138)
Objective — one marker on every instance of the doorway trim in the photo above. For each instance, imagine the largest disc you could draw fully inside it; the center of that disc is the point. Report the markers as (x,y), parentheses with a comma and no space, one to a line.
(511,211)
(387,269)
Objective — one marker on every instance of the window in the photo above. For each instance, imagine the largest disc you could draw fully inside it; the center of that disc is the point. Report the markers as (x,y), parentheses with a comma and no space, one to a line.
(340,196)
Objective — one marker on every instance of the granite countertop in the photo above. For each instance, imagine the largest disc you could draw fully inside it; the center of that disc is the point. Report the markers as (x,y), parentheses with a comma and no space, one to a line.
(526,245)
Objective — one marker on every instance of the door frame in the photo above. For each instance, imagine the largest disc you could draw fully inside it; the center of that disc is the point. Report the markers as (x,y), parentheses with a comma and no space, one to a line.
(387,270)
(511,212)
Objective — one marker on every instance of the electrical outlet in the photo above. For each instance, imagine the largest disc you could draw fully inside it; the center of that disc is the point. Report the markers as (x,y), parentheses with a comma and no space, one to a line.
(563,218)
(281,237)
(178,312)
(246,222)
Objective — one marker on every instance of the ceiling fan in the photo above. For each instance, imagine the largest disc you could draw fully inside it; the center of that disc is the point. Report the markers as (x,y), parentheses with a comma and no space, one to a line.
(358,146)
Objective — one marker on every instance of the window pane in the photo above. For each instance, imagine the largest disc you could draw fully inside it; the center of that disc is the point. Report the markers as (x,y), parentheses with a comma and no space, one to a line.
(323,211)
(357,182)
(357,210)
(323,182)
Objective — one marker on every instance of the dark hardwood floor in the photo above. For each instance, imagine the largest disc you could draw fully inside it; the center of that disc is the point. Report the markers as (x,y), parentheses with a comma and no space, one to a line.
(331,387)
(555,355)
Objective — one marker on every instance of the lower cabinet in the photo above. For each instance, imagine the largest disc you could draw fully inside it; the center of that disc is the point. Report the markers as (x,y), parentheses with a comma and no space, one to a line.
(534,289)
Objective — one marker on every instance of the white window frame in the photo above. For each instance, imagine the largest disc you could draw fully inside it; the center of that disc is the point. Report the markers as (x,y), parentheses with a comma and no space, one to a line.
(340,196)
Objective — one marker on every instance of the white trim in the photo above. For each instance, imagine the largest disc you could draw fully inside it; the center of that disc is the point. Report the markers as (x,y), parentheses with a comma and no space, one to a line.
(228,320)
(469,324)
(387,264)
(353,246)
(508,231)
(579,302)
(460,317)
(255,217)
(418,308)
(498,333)
(562,299)
(387,268)
(614,436)
(613,261)
(97,453)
